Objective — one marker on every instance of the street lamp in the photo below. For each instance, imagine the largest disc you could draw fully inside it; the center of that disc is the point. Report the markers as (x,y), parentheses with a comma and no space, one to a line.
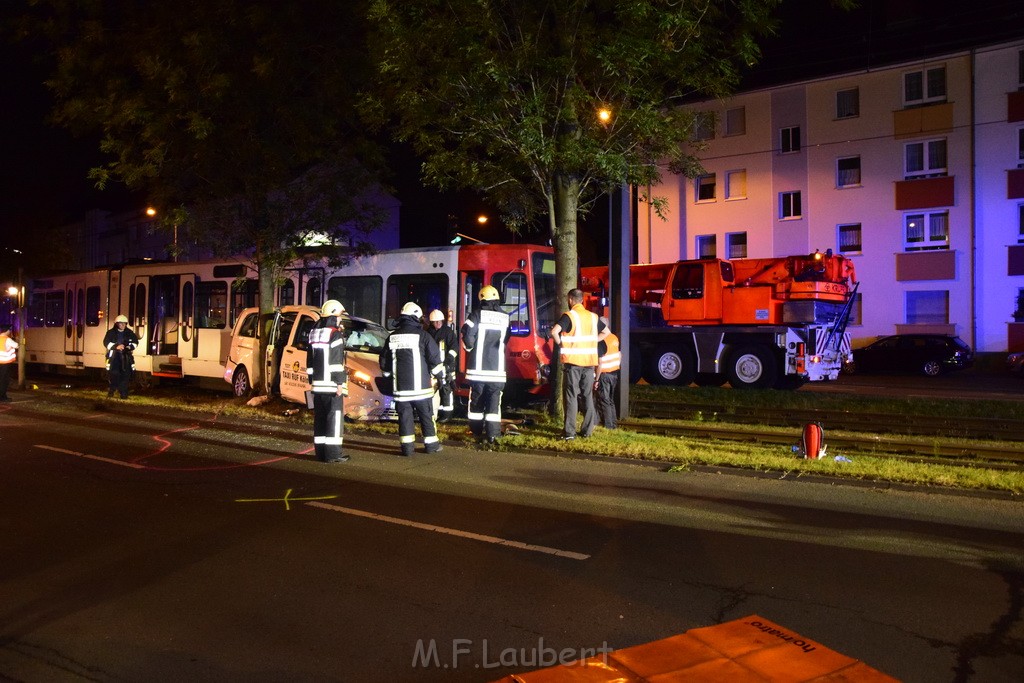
(151,212)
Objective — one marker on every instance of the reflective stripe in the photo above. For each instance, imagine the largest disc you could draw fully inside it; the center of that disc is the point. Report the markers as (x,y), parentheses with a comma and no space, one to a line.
(579,345)
(492,417)
(407,438)
(430,439)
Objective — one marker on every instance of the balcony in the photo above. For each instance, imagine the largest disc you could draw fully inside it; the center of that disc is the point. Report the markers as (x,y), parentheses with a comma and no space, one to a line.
(1015,183)
(927,120)
(924,193)
(926,265)
(1015,106)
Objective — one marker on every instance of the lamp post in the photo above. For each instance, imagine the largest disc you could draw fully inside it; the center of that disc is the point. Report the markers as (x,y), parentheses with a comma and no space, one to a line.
(18,291)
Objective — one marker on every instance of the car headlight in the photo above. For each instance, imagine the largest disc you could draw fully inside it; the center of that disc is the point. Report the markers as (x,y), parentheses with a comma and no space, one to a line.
(361,379)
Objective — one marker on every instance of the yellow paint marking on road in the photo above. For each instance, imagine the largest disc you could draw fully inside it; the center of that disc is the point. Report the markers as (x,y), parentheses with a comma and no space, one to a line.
(568,554)
(111,461)
(287,499)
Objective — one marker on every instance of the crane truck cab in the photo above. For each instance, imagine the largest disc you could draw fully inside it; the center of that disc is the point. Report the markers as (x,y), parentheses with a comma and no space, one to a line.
(285,365)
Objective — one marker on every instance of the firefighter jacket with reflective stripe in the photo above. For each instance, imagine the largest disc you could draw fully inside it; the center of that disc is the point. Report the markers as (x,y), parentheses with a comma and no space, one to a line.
(611,358)
(448,345)
(410,357)
(115,337)
(325,357)
(484,336)
(579,344)
(8,349)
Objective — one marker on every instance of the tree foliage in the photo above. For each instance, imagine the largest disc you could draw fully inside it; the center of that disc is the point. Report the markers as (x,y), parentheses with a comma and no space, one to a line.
(236,116)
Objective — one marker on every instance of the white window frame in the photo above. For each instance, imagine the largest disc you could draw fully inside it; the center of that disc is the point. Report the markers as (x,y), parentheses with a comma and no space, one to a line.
(735,245)
(854,97)
(849,228)
(789,140)
(841,180)
(929,93)
(735,121)
(703,182)
(790,210)
(932,301)
(929,239)
(1020,147)
(1020,223)
(736,184)
(703,241)
(930,167)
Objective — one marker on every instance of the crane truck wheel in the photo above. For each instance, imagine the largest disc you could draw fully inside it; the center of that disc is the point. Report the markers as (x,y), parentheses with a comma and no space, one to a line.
(667,365)
(752,367)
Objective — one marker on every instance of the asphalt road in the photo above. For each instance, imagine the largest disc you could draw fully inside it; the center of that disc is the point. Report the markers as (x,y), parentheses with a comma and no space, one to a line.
(142,546)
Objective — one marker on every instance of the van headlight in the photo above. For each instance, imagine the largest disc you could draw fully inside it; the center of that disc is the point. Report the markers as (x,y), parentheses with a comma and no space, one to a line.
(361,379)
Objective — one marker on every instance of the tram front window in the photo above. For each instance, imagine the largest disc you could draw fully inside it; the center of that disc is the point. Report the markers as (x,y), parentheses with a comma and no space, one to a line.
(549,303)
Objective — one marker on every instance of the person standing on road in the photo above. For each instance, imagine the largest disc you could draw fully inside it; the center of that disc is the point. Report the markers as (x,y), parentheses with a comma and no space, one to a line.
(577,333)
(328,379)
(410,357)
(484,336)
(120,343)
(8,355)
(447,341)
(609,359)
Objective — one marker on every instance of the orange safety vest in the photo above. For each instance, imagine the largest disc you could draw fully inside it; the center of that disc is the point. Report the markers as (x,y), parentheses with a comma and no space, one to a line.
(8,349)
(611,360)
(579,345)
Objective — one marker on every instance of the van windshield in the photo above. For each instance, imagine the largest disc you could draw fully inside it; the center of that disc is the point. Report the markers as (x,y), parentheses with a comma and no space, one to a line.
(364,336)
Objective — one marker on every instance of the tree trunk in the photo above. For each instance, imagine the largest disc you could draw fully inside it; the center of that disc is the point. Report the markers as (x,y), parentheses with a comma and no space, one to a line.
(563,206)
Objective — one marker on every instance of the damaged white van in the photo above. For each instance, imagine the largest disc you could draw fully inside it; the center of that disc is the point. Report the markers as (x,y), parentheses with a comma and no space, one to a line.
(285,366)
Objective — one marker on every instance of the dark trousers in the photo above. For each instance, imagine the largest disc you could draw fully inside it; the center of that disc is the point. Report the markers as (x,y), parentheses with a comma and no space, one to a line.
(484,410)
(447,400)
(328,425)
(5,379)
(607,387)
(578,386)
(119,374)
(410,412)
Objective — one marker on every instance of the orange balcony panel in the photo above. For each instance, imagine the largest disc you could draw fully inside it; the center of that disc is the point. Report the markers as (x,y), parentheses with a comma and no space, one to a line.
(1015,106)
(935,118)
(926,265)
(924,193)
(1015,183)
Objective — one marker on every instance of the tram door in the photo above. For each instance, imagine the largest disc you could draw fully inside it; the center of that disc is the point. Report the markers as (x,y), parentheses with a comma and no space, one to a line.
(74,324)
(187,333)
(164,315)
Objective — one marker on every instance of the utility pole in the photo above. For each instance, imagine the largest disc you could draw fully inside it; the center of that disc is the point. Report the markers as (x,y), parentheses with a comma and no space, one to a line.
(620,229)
(21,327)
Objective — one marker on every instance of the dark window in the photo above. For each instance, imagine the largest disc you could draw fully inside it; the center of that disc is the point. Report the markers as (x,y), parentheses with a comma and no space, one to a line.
(514,300)
(429,291)
(211,304)
(93,313)
(360,295)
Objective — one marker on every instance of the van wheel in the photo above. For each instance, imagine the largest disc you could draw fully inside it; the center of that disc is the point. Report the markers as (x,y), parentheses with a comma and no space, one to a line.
(670,366)
(241,384)
(752,367)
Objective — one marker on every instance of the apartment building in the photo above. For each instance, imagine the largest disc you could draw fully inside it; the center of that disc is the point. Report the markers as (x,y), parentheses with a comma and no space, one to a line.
(914,170)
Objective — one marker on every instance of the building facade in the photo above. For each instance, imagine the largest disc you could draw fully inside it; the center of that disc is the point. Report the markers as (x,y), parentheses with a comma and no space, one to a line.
(913,170)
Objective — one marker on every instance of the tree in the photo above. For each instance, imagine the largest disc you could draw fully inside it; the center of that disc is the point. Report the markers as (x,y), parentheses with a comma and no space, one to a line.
(505,96)
(237,117)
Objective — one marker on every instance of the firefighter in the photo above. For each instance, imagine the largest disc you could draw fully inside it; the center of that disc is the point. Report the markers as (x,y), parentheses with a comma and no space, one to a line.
(8,355)
(120,343)
(410,358)
(609,357)
(484,336)
(448,345)
(577,333)
(328,380)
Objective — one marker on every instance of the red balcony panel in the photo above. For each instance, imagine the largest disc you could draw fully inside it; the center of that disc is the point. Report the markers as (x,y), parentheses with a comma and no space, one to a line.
(1015,183)
(926,265)
(1015,337)
(924,193)
(1015,259)
(1015,106)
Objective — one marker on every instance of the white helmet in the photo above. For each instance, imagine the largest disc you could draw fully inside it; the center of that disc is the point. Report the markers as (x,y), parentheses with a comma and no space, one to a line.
(436,316)
(332,307)
(413,309)
(121,319)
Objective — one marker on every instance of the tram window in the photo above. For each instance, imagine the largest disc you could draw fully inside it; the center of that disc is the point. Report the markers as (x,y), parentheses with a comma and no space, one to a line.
(140,303)
(360,295)
(429,291)
(131,302)
(211,304)
(186,303)
(244,294)
(548,301)
(92,306)
(471,286)
(313,291)
(514,300)
(36,309)
(70,308)
(80,309)
(286,293)
(54,313)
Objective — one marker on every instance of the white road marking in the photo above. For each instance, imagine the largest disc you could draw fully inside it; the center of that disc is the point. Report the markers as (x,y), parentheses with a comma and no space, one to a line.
(453,532)
(110,461)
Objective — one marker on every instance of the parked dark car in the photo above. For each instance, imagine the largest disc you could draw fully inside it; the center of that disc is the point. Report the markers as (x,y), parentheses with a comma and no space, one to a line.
(1015,363)
(929,354)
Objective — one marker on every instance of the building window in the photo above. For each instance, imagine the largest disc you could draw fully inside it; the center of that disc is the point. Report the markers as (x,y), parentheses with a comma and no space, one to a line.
(925,159)
(705,186)
(848,172)
(849,238)
(928,308)
(848,103)
(703,126)
(1020,223)
(924,86)
(736,184)
(736,121)
(706,247)
(789,140)
(1020,148)
(856,318)
(925,231)
(789,205)
(1020,69)
(736,244)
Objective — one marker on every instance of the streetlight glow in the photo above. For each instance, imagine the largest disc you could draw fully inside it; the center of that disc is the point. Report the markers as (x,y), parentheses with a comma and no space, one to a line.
(604,114)
(12,291)
(150,211)
(481,219)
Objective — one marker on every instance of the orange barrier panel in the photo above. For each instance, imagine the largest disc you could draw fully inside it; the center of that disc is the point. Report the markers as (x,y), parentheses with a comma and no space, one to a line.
(747,649)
